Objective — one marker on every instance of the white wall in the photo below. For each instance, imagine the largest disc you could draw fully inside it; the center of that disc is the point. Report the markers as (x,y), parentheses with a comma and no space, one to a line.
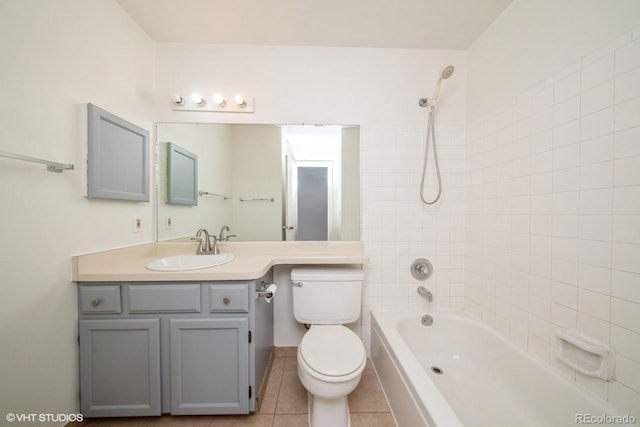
(57,56)
(377,89)
(553,189)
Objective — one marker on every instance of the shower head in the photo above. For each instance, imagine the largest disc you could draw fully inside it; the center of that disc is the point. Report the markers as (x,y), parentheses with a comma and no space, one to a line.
(446,71)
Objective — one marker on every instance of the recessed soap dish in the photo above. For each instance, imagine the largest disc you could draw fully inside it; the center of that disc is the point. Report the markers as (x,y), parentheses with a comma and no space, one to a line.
(585,354)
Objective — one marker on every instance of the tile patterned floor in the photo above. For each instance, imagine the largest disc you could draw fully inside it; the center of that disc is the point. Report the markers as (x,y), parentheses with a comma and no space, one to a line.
(284,404)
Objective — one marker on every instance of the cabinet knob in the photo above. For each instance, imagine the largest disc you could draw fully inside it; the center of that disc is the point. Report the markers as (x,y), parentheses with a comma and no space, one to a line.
(226,300)
(96,302)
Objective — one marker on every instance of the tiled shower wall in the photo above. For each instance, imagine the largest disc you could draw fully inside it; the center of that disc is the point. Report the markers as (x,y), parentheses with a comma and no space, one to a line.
(397,228)
(553,215)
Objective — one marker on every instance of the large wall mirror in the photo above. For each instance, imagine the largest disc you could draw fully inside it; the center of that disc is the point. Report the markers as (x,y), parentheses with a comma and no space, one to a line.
(266,182)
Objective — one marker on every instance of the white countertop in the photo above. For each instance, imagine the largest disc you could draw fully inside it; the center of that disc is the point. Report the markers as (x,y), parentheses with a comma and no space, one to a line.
(252,260)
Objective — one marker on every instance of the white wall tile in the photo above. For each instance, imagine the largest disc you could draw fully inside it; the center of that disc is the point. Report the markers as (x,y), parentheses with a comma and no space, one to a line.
(542,162)
(627,85)
(566,225)
(566,157)
(596,124)
(595,304)
(620,396)
(542,100)
(594,278)
(598,72)
(593,327)
(569,109)
(564,294)
(598,175)
(566,203)
(626,229)
(627,57)
(625,257)
(627,114)
(625,285)
(563,316)
(597,253)
(568,86)
(626,200)
(564,248)
(566,133)
(627,171)
(627,142)
(597,98)
(596,227)
(626,342)
(541,141)
(542,121)
(566,179)
(597,201)
(625,314)
(564,272)
(628,372)
(599,149)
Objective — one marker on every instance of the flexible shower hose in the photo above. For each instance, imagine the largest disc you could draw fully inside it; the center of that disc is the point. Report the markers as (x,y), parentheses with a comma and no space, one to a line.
(431,135)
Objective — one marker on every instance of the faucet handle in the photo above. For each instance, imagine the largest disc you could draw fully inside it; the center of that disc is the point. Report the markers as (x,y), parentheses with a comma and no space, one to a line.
(214,247)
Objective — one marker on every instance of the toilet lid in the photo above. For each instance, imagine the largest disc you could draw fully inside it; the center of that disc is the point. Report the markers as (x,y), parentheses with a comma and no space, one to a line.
(332,350)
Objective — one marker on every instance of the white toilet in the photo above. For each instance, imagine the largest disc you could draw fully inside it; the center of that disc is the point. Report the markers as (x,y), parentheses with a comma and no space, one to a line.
(331,357)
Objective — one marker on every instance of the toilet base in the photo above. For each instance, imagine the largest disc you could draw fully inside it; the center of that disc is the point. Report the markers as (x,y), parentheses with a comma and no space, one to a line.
(328,412)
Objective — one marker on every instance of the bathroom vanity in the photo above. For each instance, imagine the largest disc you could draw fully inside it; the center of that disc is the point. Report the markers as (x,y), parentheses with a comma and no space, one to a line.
(188,342)
(182,348)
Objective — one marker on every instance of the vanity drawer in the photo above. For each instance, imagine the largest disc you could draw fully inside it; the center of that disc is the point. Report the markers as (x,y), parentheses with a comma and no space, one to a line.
(229,298)
(100,299)
(164,298)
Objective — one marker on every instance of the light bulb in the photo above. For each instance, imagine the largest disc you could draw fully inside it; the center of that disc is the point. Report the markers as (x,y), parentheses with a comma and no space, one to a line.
(219,99)
(178,99)
(197,99)
(240,101)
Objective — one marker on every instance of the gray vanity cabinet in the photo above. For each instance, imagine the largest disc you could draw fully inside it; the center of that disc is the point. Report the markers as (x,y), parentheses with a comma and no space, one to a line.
(209,360)
(179,348)
(120,367)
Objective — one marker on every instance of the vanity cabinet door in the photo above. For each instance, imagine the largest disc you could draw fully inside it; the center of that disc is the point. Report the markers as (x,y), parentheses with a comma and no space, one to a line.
(209,366)
(120,367)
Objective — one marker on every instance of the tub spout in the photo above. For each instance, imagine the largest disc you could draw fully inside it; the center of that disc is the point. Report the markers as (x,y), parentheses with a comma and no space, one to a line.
(425,293)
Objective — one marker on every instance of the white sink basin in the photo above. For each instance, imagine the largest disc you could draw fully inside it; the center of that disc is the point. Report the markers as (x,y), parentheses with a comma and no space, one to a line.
(189,262)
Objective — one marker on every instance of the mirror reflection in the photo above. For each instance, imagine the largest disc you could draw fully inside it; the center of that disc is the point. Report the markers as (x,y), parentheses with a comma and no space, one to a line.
(265,182)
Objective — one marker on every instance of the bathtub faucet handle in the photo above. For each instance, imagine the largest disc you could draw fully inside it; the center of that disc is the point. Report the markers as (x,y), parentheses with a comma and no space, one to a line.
(425,293)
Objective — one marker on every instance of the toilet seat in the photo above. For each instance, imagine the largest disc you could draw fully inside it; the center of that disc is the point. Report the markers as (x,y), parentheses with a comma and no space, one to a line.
(332,353)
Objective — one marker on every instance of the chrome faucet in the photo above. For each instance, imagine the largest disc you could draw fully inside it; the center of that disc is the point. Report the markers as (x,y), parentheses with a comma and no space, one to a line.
(222,237)
(205,247)
(425,293)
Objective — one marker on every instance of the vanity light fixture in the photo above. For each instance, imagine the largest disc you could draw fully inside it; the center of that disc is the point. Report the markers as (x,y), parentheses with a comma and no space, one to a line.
(219,99)
(240,101)
(215,103)
(198,99)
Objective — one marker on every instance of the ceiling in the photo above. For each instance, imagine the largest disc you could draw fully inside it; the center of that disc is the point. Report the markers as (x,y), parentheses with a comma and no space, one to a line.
(418,24)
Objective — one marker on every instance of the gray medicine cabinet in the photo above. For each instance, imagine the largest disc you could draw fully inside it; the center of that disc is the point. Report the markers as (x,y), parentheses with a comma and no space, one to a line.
(118,157)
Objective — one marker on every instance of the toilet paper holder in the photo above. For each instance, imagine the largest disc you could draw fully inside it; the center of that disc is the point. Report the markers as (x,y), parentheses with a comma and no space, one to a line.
(262,292)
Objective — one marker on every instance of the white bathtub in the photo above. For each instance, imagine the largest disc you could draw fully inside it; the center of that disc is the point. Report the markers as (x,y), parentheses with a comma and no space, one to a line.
(485,380)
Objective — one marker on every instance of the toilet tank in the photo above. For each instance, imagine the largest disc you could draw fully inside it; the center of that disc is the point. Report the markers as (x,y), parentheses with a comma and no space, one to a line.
(327,295)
